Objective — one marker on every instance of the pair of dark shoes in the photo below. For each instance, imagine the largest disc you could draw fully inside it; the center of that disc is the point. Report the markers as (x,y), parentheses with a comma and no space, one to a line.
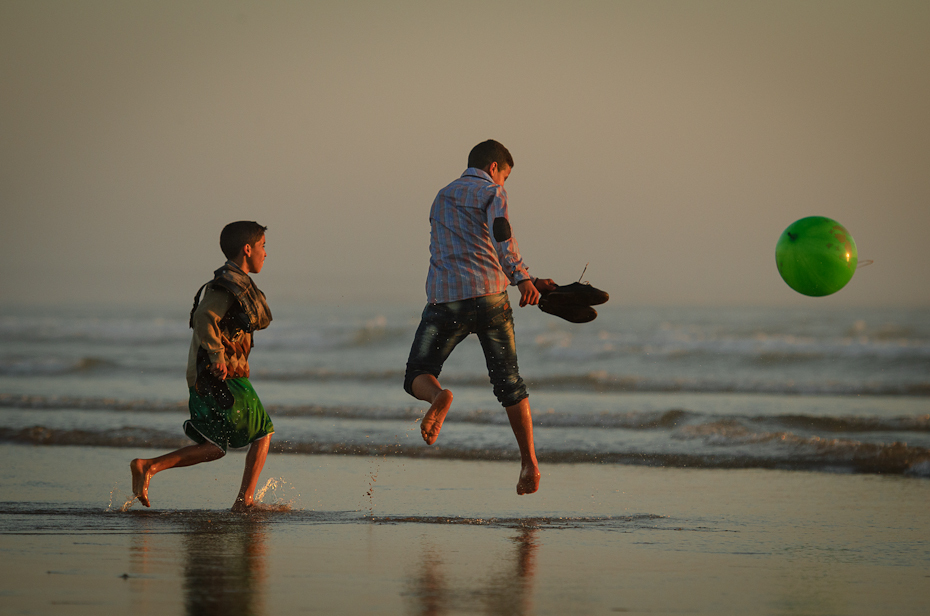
(208,385)
(573,302)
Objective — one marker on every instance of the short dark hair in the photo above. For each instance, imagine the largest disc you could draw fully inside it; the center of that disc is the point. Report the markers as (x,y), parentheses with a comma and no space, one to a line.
(236,235)
(487,152)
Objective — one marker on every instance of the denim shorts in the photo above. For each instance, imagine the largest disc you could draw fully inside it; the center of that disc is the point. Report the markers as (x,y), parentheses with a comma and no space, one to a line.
(443,326)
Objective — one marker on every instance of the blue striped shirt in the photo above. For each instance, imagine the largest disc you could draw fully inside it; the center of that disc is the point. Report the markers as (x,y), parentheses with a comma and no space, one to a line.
(465,258)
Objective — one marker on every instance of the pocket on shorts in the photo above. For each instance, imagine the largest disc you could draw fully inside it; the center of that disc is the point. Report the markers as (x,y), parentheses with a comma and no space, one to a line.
(499,311)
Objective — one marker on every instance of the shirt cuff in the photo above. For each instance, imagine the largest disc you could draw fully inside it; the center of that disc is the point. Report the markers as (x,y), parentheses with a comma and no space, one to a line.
(520,276)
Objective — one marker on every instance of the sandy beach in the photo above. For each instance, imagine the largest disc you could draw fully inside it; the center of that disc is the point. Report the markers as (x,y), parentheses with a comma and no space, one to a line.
(401,536)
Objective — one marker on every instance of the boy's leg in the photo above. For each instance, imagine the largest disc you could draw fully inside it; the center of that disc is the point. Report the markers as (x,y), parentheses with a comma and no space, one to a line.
(500,353)
(144,469)
(521,421)
(254,463)
(442,327)
(426,387)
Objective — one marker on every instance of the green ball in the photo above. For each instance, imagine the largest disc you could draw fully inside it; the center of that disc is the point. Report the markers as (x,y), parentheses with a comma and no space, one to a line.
(816,256)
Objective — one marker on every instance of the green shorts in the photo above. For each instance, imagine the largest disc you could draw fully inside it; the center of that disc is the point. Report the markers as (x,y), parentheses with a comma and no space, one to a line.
(236,427)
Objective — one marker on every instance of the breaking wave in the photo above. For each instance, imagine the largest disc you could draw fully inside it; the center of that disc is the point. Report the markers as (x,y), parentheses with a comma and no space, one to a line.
(636,420)
(793,452)
(51,366)
(672,437)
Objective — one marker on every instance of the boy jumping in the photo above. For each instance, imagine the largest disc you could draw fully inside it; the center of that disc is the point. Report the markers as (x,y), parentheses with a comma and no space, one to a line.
(225,410)
(473,258)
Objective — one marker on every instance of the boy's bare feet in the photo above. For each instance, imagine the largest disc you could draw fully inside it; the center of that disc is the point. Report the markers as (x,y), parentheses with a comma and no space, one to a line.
(240,506)
(432,421)
(140,480)
(529,480)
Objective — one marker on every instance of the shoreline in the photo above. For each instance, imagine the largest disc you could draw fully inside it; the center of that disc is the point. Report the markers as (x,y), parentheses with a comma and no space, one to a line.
(885,459)
(402,536)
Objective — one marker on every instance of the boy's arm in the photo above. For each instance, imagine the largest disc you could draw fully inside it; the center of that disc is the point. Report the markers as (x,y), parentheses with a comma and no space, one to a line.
(529,294)
(508,254)
(531,291)
(206,320)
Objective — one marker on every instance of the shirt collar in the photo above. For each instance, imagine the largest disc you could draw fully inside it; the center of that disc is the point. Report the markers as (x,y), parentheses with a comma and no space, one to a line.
(234,267)
(477,173)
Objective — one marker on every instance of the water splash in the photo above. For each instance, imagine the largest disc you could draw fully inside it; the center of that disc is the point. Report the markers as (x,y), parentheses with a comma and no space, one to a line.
(278,503)
(116,492)
(371,486)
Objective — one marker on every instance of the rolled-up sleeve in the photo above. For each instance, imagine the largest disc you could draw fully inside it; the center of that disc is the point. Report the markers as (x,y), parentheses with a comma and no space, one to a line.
(508,253)
(206,321)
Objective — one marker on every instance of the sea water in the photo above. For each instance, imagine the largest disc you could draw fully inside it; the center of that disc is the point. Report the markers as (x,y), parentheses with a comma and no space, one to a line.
(708,461)
(798,389)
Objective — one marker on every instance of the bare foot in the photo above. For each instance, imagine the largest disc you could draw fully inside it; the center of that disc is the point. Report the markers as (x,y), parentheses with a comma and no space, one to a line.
(140,480)
(529,479)
(240,506)
(432,421)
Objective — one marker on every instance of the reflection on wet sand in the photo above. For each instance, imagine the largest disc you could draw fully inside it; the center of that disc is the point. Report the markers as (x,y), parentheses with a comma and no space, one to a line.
(225,565)
(506,589)
(225,572)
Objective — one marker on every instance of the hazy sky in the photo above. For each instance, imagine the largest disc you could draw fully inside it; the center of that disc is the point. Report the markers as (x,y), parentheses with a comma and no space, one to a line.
(668,144)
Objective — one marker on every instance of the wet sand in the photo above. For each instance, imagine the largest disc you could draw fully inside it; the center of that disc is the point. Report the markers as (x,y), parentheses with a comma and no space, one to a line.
(396,536)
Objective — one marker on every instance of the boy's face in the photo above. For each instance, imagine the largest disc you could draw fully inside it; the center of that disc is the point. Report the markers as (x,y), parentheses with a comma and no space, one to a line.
(255,255)
(499,174)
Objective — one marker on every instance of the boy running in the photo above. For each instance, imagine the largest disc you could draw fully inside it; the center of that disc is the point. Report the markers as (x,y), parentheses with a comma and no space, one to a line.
(225,410)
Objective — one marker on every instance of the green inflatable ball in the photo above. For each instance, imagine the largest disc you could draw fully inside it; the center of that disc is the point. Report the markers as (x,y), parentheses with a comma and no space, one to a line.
(816,256)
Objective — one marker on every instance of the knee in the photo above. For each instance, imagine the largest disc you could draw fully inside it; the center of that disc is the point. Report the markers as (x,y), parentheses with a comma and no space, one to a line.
(511,392)
(514,399)
(413,375)
(408,383)
(260,446)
